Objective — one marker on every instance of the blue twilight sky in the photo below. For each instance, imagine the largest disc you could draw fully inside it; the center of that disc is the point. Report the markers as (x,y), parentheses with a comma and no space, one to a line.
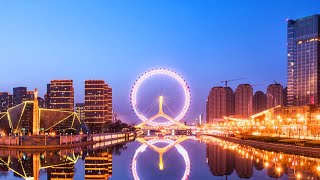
(206,41)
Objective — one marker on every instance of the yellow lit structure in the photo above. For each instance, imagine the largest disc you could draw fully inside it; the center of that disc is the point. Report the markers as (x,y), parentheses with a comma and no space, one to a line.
(27,118)
(163,115)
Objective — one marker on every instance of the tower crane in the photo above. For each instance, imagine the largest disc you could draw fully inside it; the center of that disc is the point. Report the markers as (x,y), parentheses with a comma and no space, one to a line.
(226,81)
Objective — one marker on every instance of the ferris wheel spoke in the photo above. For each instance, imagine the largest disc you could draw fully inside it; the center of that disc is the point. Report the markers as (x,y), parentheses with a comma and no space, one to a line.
(154,104)
(173,108)
(170,110)
(149,106)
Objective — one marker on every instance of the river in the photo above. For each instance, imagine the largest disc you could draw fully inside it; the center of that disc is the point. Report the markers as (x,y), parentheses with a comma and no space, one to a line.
(170,157)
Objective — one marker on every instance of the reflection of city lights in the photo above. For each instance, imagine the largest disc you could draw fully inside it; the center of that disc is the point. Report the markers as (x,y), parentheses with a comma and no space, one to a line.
(278,160)
(279,169)
(299,176)
(179,148)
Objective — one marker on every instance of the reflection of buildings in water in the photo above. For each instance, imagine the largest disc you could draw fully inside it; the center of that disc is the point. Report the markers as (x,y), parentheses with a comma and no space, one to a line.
(22,166)
(28,165)
(58,167)
(244,167)
(64,171)
(277,165)
(3,166)
(98,166)
(221,161)
(274,170)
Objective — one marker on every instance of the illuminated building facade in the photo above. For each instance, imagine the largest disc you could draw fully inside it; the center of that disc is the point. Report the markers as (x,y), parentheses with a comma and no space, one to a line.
(98,104)
(243,100)
(60,95)
(29,95)
(285,95)
(41,102)
(6,101)
(27,118)
(98,166)
(303,47)
(259,102)
(80,110)
(274,95)
(19,95)
(220,103)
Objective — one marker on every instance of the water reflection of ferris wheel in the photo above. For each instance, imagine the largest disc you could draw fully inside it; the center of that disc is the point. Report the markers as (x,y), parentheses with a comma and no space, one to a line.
(161,151)
(160,97)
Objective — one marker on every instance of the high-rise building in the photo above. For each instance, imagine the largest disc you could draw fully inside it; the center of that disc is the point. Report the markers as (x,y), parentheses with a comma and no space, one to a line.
(259,102)
(230,101)
(243,100)
(41,102)
(98,104)
(303,47)
(6,101)
(29,96)
(60,94)
(219,104)
(285,95)
(80,111)
(47,97)
(19,95)
(274,95)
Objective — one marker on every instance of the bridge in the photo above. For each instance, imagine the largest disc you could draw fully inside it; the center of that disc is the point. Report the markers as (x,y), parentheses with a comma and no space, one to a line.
(176,124)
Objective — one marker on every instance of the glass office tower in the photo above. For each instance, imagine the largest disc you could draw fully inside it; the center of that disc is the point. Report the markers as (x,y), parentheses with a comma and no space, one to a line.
(303,61)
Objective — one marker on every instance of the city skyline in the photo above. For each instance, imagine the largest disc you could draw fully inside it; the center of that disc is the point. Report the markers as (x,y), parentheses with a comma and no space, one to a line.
(183,39)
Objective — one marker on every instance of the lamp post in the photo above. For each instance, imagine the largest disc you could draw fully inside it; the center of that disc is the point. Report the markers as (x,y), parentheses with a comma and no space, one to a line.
(45,139)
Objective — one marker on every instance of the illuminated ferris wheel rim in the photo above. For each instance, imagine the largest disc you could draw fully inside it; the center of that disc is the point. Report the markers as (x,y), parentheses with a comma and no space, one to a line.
(183,152)
(161,71)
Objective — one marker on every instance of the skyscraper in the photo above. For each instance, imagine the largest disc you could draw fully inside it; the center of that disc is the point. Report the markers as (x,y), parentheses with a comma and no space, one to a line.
(259,102)
(274,95)
(80,111)
(61,95)
(285,95)
(303,49)
(98,104)
(41,102)
(30,95)
(19,95)
(243,100)
(6,101)
(219,104)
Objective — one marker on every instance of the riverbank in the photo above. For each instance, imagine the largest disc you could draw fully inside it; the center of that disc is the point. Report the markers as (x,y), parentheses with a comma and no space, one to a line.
(63,142)
(64,146)
(277,147)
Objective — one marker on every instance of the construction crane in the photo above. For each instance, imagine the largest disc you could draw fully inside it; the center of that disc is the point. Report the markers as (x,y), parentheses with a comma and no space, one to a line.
(226,81)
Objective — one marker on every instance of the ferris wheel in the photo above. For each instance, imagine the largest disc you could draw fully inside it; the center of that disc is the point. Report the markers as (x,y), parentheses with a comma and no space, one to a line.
(161,101)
